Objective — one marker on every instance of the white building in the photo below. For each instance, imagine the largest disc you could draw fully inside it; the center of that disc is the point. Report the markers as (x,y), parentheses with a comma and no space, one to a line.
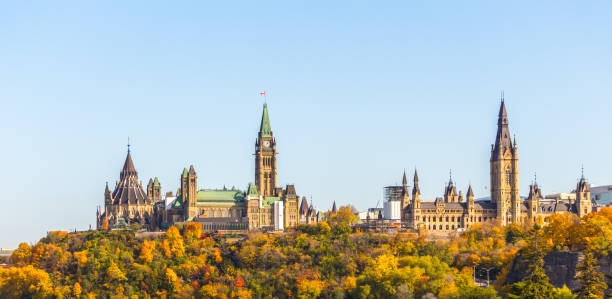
(278,215)
(393,210)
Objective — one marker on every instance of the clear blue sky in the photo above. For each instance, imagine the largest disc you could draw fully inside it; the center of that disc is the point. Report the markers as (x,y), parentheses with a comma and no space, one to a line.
(358,92)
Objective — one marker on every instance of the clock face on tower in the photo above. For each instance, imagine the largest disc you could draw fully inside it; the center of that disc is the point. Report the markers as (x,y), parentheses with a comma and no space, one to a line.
(266,143)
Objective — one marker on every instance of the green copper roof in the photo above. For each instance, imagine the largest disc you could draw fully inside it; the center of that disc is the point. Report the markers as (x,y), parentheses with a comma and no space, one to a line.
(156,182)
(178,203)
(185,171)
(265,130)
(269,201)
(253,191)
(229,196)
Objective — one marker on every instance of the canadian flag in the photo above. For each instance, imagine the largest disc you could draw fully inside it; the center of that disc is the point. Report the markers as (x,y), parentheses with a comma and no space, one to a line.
(263,93)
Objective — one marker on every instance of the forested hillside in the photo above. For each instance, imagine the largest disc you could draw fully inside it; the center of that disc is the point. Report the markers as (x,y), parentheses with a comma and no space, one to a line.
(328,260)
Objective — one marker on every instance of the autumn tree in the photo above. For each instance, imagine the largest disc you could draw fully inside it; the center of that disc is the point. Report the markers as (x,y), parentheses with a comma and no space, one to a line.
(22,255)
(173,243)
(147,251)
(192,232)
(25,282)
(76,290)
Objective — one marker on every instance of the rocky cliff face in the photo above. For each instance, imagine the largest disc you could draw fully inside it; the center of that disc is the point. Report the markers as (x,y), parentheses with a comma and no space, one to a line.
(560,267)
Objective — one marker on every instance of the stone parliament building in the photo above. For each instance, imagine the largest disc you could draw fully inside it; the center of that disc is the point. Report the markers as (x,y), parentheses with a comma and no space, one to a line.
(263,206)
(454,212)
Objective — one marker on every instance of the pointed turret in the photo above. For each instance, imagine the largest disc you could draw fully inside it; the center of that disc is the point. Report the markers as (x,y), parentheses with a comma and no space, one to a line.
(191,170)
(184,172)
(584,205)
(502,139)
(404,180)
(334,210)
(265,130)
(470,193)
(156,182)
(415,187)
(470,198)
(304,206)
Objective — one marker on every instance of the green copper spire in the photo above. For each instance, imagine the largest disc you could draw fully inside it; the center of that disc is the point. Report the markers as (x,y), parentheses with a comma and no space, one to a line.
(156,182)
(265,130)
(184,171)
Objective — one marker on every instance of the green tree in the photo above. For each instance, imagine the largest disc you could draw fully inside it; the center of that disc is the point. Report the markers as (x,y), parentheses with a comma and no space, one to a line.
(592,282)
(536,285)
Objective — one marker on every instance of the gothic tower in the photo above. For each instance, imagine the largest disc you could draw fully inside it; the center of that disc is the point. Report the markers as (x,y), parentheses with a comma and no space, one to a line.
(405,196)
(583,197)
(533,201)
(189,183)
(504,172)
(265,157)
(154,190)
(415,207)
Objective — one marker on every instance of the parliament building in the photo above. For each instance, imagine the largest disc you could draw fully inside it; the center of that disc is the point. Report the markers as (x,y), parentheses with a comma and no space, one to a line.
(455,211)
(263,206)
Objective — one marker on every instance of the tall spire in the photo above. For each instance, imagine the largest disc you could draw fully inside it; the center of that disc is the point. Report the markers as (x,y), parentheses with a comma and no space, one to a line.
(264,129)
(450,176)
(470,192)
(582,172)
(502,140)
(415,187)
(404,180)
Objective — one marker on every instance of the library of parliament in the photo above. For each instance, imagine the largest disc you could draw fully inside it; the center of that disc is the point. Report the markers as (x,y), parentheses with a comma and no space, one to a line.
(263,206)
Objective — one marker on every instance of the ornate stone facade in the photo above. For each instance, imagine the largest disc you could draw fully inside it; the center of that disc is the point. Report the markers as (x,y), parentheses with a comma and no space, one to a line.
(216,209)
(451,213)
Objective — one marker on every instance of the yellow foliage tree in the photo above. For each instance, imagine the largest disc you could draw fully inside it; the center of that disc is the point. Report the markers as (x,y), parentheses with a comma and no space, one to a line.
(175,243)
(217,255)
(25,282)
(344,216)
(76,290)
(172,278)
(81,258)
(192,232)
(147,251)
(114,273)
(22,255)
